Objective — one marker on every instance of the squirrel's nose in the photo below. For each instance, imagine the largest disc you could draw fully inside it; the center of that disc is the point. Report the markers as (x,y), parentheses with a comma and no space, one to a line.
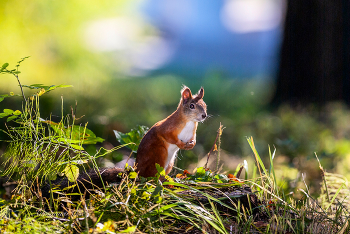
(204,115)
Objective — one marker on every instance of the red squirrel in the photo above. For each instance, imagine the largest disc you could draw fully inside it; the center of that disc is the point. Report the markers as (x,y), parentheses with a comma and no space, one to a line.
(166,137)
(159,145)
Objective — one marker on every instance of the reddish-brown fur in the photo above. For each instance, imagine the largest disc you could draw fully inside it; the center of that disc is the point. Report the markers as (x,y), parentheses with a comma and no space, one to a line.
(154,145)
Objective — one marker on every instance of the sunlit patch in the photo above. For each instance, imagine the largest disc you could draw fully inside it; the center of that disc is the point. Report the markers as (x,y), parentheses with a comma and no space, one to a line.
(140,45)
(244,16)
(111,34)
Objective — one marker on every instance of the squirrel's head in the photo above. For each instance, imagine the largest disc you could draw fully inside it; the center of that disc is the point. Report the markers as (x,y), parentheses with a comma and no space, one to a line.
(193,107)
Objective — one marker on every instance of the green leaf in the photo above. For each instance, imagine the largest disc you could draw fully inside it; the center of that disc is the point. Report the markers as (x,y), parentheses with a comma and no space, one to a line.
(200,171)
(17,112)
(157,191)
(36,86)
(67,140)
(47,88)
(8,111)
(58,86)
(72,172)
(145,196)
(52,176)
(4,66)
(134,136)
(77,147)
(11,118)
(133,175)
(44,88)
(74,134)
(2,115)
(160,170)
(2,97)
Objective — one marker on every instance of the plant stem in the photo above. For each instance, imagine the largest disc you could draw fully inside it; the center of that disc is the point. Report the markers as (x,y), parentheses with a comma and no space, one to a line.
(219,146)
(216,147)
(20,85)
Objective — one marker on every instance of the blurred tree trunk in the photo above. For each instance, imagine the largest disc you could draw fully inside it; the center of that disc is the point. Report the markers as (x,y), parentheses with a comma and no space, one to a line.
(315,56)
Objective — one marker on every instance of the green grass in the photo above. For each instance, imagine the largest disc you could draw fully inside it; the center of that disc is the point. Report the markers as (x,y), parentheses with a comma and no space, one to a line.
(191,201)
(205,201)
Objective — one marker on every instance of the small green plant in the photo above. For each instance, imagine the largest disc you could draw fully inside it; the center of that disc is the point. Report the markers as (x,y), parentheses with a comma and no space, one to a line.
(40,149)
(133,138)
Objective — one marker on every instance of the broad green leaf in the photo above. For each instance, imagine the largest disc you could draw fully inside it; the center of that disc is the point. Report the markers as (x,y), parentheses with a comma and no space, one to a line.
(5,65)
(67,140)
(160,170)
(134,136)
(200,171)
(72,172)
(2,115)
(11,118)
(58,86)
(73,144)
(74,134)
(157,191)
(8,111)
(133,175)
(17,112)
(145,196)
(45,88)
(2,97)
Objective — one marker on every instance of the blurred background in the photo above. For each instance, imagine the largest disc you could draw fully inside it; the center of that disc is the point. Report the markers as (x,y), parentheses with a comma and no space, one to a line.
(276,70)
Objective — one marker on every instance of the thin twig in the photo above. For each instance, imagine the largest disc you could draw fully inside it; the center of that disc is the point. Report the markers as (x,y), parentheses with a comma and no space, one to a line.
(219,146)
(213,147)
(20,85)
(239,172)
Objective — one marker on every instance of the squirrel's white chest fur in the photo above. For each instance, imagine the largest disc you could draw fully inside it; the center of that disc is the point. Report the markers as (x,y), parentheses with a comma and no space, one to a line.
(185,135)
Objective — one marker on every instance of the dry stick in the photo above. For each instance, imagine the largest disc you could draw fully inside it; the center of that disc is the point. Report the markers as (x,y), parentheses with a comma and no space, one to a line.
(212,148)
(323,177)
(129,157)
(219,146)
(239,172)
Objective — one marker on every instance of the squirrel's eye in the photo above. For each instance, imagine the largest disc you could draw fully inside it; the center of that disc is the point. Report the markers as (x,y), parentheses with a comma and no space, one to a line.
(192,106)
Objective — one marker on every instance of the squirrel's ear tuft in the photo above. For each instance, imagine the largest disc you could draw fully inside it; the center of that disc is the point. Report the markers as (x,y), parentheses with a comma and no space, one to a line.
(200,94)
(186,94)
